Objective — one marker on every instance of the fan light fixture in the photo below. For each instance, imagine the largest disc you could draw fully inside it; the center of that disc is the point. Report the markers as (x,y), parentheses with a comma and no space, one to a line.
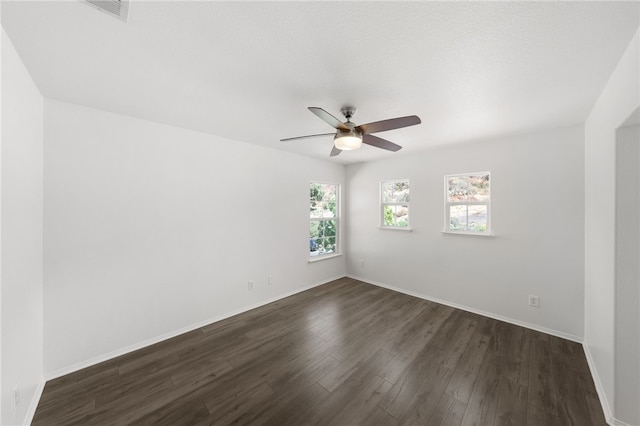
(348,141)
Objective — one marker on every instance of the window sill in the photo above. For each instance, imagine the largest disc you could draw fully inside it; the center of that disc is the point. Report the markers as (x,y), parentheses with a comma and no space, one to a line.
(468,234)
(324,257)
(391,228)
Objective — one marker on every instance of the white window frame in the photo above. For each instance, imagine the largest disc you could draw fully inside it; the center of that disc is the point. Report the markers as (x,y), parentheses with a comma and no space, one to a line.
(448,204)
(404,203)
(336,218)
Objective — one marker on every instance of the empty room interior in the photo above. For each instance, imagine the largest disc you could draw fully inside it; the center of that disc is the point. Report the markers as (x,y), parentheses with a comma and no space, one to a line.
(346,213)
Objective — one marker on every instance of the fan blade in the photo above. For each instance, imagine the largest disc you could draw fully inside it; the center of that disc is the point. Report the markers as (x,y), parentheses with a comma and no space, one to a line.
(328,118)
(308,136)
(335,151)
(390,124)
(380,143)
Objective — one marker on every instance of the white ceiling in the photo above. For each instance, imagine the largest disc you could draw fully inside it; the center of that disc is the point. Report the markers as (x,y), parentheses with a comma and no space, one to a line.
(249,70)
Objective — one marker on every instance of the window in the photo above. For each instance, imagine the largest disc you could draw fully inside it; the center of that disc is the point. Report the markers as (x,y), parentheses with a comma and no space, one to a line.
(394,196)
(323,219)
(467,203)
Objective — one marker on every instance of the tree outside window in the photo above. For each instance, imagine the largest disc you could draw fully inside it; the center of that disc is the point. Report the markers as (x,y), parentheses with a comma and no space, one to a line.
(323,219)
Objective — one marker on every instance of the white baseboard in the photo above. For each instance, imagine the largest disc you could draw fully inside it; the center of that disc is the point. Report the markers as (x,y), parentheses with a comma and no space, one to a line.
(606,408)
(105,357)
(525,324)
(616,422)
(31,411)
(599,388)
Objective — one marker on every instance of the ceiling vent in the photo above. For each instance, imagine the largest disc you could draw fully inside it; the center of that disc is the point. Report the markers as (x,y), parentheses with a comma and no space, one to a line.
(116,8)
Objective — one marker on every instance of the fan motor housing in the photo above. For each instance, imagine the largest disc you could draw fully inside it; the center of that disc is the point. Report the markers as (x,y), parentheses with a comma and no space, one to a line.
(348,111)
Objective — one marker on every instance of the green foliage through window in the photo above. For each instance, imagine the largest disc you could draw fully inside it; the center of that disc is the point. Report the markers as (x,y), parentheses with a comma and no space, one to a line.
(323,219)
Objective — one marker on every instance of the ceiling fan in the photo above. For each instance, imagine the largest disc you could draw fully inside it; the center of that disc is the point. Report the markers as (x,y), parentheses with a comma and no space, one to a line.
(350,136)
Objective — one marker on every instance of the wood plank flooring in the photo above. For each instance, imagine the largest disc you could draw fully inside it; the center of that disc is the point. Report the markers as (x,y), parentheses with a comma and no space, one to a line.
(344,353)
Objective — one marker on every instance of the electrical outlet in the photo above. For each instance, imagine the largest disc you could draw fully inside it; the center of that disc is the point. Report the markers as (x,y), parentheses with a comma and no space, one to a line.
(534,301)
(269,280)
(362,263)
(250,285)
(16,397)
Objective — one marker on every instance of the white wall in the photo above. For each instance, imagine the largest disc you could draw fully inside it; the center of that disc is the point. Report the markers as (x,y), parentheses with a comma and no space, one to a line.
(21,254)
(151,229)
(620,97)
(537,193)
(627,280)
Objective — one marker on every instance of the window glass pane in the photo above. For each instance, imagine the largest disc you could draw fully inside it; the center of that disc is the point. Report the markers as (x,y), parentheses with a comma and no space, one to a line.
(316,194)
(317,210)
(395,192)
(401,192)
(328,189)
(396,216)
(315,191)
(330,245)
(457,188)
(479,188)
(387,192)
(329,207)
(388,216)
(477,218)
(458,218)
(329,199)
(329,228)
(314,229)
(314,237)
(313,248)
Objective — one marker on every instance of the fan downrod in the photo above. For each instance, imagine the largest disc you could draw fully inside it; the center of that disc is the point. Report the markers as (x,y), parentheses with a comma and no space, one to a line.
(348,112)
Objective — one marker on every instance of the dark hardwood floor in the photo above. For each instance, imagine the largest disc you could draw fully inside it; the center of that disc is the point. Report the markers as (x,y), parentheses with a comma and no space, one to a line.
(345,353)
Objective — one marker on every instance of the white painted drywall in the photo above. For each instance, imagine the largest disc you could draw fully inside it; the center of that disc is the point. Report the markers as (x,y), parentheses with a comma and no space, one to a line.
(150,229)
(627,276)
(22,293)
(537,198)
(619,98)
